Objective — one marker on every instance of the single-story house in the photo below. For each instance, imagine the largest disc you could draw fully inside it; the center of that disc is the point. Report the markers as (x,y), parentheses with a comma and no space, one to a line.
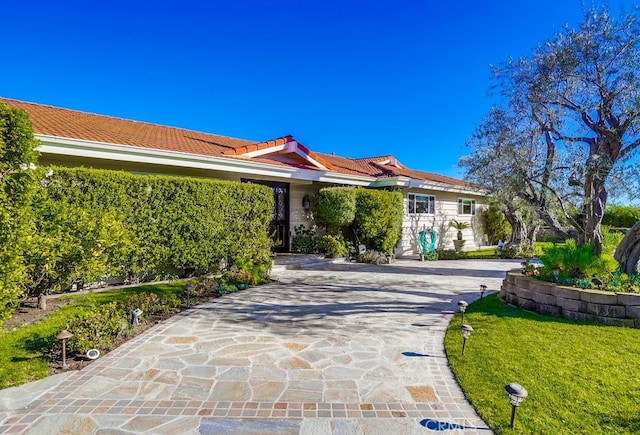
(293,171)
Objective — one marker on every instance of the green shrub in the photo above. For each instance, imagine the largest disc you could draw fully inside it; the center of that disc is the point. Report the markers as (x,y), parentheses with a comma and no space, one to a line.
(378,220)
(150,304)
(238,276)
(373,257)
(305,240)
(205,286)
(621,216)
(97,328)
(507,253)
(332,246)
(575,261)
(335,208)
(450,254)
(259,268)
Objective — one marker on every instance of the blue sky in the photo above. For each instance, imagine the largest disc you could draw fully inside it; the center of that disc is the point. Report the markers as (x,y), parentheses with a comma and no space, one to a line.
(359,78)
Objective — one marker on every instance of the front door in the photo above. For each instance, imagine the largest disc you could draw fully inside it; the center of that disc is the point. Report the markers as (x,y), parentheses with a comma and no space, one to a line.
(279,227)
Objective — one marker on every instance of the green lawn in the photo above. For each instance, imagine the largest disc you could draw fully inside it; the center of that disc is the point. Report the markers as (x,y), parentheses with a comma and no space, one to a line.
(581,378)
(23,352)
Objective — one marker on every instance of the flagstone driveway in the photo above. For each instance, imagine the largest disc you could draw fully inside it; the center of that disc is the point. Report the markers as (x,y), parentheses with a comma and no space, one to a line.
(327,349)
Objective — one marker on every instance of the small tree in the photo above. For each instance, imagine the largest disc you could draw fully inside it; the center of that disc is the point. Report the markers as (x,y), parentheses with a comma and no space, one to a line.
(18,155)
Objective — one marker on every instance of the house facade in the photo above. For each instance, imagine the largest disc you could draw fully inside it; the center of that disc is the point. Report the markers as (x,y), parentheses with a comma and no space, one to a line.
(294,172)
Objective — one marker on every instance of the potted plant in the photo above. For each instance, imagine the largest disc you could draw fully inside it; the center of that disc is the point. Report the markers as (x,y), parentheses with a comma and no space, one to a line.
(458,225)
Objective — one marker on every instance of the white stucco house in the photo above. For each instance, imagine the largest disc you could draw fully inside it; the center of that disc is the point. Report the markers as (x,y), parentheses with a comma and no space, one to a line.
(74,138)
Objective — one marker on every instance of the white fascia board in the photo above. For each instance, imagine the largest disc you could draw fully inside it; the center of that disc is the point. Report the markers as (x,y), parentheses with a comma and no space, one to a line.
(258,153)
(431,185)
(128,153)
(422,184)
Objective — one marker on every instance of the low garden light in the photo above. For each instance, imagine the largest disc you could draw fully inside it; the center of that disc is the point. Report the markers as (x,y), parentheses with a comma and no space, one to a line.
(598,283)
(63,335)
(135,316)
(483,289)
(556,274)
(463,307)
(516,393)
(466,333)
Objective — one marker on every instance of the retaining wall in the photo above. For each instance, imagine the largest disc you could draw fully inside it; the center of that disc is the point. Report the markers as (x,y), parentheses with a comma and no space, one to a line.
(619,309)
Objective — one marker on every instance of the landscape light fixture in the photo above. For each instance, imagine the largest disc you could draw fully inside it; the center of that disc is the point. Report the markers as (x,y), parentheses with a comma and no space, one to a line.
(135,316)
(63,335)
(187,294)
(466,333)
(598,283)
(463,307)
(516,393)
(483,288)
(556,274)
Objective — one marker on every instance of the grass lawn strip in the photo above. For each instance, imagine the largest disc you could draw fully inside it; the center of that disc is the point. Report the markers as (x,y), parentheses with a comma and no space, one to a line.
(23,351)
(581,378)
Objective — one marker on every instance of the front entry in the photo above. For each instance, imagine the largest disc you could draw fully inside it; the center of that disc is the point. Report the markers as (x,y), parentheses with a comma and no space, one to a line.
(279,227)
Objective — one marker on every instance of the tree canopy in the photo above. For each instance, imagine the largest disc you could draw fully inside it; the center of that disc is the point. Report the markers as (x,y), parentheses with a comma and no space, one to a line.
(568,129)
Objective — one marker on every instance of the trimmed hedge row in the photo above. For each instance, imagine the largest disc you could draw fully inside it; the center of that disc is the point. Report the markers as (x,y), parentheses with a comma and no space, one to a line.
(188,224)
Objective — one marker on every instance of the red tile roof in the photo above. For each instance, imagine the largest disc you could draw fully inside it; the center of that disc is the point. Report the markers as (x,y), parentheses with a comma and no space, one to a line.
(73,124)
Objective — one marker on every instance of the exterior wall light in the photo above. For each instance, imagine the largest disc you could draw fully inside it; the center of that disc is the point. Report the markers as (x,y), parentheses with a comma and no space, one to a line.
(306,202)
(516,393)
(466,333)
(63,335)
(463,307)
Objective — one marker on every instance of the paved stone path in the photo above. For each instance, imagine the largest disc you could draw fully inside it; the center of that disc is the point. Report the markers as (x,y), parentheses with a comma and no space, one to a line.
(328,349)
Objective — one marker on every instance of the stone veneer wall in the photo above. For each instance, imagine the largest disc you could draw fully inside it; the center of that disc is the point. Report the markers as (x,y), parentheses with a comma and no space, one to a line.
(619,309)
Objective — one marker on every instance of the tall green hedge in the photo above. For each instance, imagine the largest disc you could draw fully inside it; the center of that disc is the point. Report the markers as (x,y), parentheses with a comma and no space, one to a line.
(189,224)
(378,220)
(18,182)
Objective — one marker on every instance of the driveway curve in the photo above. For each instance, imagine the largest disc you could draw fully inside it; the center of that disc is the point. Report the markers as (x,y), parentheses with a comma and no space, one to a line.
(326,349)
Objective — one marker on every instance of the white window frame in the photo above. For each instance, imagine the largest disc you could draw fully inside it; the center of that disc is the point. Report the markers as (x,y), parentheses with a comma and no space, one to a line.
(431,203)
(472,205)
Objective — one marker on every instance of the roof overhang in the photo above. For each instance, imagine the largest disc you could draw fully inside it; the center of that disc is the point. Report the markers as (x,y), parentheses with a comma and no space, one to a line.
(413,183)
(128,153)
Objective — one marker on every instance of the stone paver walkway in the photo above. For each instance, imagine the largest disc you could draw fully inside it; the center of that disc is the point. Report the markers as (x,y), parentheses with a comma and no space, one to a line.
(328,349)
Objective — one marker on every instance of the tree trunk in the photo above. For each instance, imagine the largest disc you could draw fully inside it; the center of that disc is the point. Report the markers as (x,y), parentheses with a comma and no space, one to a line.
(532,234)
(596,196)
(518,228)
(42,301)
(628,251)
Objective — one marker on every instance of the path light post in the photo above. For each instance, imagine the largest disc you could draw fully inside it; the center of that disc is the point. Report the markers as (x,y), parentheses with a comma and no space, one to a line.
(483,289)
(463,307)
(63,335)
(516,393)
(466,333)
(556,274)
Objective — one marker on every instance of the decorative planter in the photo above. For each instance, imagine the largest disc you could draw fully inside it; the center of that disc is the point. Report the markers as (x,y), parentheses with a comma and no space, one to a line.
(458,244)
(618,309)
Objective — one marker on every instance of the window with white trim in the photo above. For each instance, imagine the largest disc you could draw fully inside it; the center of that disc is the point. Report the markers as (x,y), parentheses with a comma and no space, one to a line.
(422,204)
(466,207)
